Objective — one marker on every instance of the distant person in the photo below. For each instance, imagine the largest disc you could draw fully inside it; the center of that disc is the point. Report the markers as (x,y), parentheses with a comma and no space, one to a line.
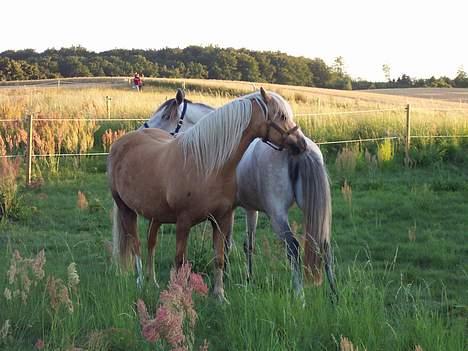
(140,83)
(137,82)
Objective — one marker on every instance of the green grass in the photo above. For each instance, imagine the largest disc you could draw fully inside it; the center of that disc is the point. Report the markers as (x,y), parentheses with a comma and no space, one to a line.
(400,248)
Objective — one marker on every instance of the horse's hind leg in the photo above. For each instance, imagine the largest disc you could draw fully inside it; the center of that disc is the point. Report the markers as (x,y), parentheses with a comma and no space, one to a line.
(152,240)
(251,218)
(283,230)
(228,243)
(128,221)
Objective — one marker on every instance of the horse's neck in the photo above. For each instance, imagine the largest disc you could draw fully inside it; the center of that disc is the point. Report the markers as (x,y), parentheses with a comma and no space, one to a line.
(249,135)
(231,165)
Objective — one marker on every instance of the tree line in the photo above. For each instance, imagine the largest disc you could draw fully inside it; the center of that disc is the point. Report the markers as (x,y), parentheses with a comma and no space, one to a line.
(209,62)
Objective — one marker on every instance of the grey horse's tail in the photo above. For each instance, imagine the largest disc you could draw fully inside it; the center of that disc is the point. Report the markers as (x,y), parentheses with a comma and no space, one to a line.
(312,193)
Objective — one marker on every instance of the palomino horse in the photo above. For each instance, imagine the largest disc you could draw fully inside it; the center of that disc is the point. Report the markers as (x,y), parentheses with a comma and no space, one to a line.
(271,181)
(189,179)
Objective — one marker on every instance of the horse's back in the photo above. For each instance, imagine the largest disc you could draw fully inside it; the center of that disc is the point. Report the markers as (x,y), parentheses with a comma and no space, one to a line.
(151,139)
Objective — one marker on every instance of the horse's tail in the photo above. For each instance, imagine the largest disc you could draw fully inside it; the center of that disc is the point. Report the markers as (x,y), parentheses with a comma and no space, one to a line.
(312,193)
(121,241)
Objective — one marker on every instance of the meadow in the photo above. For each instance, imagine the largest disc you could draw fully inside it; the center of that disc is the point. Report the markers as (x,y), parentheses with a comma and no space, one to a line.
(399,233)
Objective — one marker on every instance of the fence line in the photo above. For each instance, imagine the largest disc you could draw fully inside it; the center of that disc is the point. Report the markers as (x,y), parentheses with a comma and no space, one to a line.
(346,112)
(12,156)
(439,136)
(440,109)
(318,143)
(77,154)
(12,120)
(29,155)
(357,140)
(90,119)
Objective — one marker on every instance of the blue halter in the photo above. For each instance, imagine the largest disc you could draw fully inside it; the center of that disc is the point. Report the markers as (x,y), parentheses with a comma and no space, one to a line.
(181,119)
(179,123)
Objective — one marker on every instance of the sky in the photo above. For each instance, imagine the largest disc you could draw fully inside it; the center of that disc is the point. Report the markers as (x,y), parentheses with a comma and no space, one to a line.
(415,37)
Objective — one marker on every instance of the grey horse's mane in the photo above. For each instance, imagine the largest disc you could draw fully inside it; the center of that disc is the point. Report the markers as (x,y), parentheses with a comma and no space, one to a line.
(170,107)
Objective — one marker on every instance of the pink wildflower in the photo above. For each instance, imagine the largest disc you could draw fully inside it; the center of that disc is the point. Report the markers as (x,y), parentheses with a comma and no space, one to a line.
(170,325)
(176,315)
(204,347)
(39,344)
(38,265)
(142,311)
(150,331)
(198,285)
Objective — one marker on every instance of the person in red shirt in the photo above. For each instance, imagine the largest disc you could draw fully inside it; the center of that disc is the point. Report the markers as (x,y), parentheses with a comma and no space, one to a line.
(137,82)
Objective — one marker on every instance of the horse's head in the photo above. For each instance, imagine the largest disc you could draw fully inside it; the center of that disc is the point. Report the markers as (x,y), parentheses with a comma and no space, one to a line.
(177,111)
(278,128)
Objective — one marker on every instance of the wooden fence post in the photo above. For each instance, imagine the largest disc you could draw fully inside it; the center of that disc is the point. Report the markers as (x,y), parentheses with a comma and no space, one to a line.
(408,134)
(30,150)
(108,106)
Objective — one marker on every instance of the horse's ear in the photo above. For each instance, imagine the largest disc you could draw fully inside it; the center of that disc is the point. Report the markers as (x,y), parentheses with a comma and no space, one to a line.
(265,95)
(180,96)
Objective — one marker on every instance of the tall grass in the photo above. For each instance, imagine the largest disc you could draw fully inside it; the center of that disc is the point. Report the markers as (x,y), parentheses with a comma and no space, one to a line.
(98,311)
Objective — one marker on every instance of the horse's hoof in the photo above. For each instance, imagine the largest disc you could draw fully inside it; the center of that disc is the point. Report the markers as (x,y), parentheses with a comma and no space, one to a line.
(139,283)
(221,298)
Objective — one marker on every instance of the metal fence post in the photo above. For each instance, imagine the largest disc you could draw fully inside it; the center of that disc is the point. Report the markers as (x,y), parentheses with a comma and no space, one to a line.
(408,134)
(30,150)
(108,106)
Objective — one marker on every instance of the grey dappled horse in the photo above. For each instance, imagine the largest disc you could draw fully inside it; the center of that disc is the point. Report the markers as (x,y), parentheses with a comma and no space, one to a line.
(271,181)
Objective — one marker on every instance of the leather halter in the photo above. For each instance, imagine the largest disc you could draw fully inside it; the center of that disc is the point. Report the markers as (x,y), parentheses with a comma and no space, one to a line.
(283,132)
(179,123)
(271,124)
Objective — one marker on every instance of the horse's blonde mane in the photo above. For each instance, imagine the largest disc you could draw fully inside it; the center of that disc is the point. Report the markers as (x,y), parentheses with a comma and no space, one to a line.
(212,141)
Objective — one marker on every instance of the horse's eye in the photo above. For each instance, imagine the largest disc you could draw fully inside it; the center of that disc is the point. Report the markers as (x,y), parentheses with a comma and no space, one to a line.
(283,117)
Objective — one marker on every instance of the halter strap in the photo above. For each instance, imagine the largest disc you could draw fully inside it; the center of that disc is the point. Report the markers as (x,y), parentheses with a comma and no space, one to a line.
(271,124)
(181,119)
(179,123)
(284,135)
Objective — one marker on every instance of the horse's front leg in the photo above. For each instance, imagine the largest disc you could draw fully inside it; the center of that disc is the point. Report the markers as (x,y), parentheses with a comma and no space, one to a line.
(251,218)
(152,240)
(221,227)
(280,224)
(183,226)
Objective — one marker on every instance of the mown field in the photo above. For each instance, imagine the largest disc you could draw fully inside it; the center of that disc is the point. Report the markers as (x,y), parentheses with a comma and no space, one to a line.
(459,95)
(399,236)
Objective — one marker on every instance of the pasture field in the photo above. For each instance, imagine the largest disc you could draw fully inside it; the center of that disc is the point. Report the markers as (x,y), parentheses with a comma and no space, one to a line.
(399,234)
(459,95)
(428,118)
(400,247)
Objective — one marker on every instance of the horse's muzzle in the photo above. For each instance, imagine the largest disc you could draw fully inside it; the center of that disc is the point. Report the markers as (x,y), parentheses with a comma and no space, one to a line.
(298,146)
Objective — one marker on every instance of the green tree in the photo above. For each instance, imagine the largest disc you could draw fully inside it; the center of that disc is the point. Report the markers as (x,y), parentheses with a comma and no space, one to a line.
(247,67)
(72,66)
(196,70)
